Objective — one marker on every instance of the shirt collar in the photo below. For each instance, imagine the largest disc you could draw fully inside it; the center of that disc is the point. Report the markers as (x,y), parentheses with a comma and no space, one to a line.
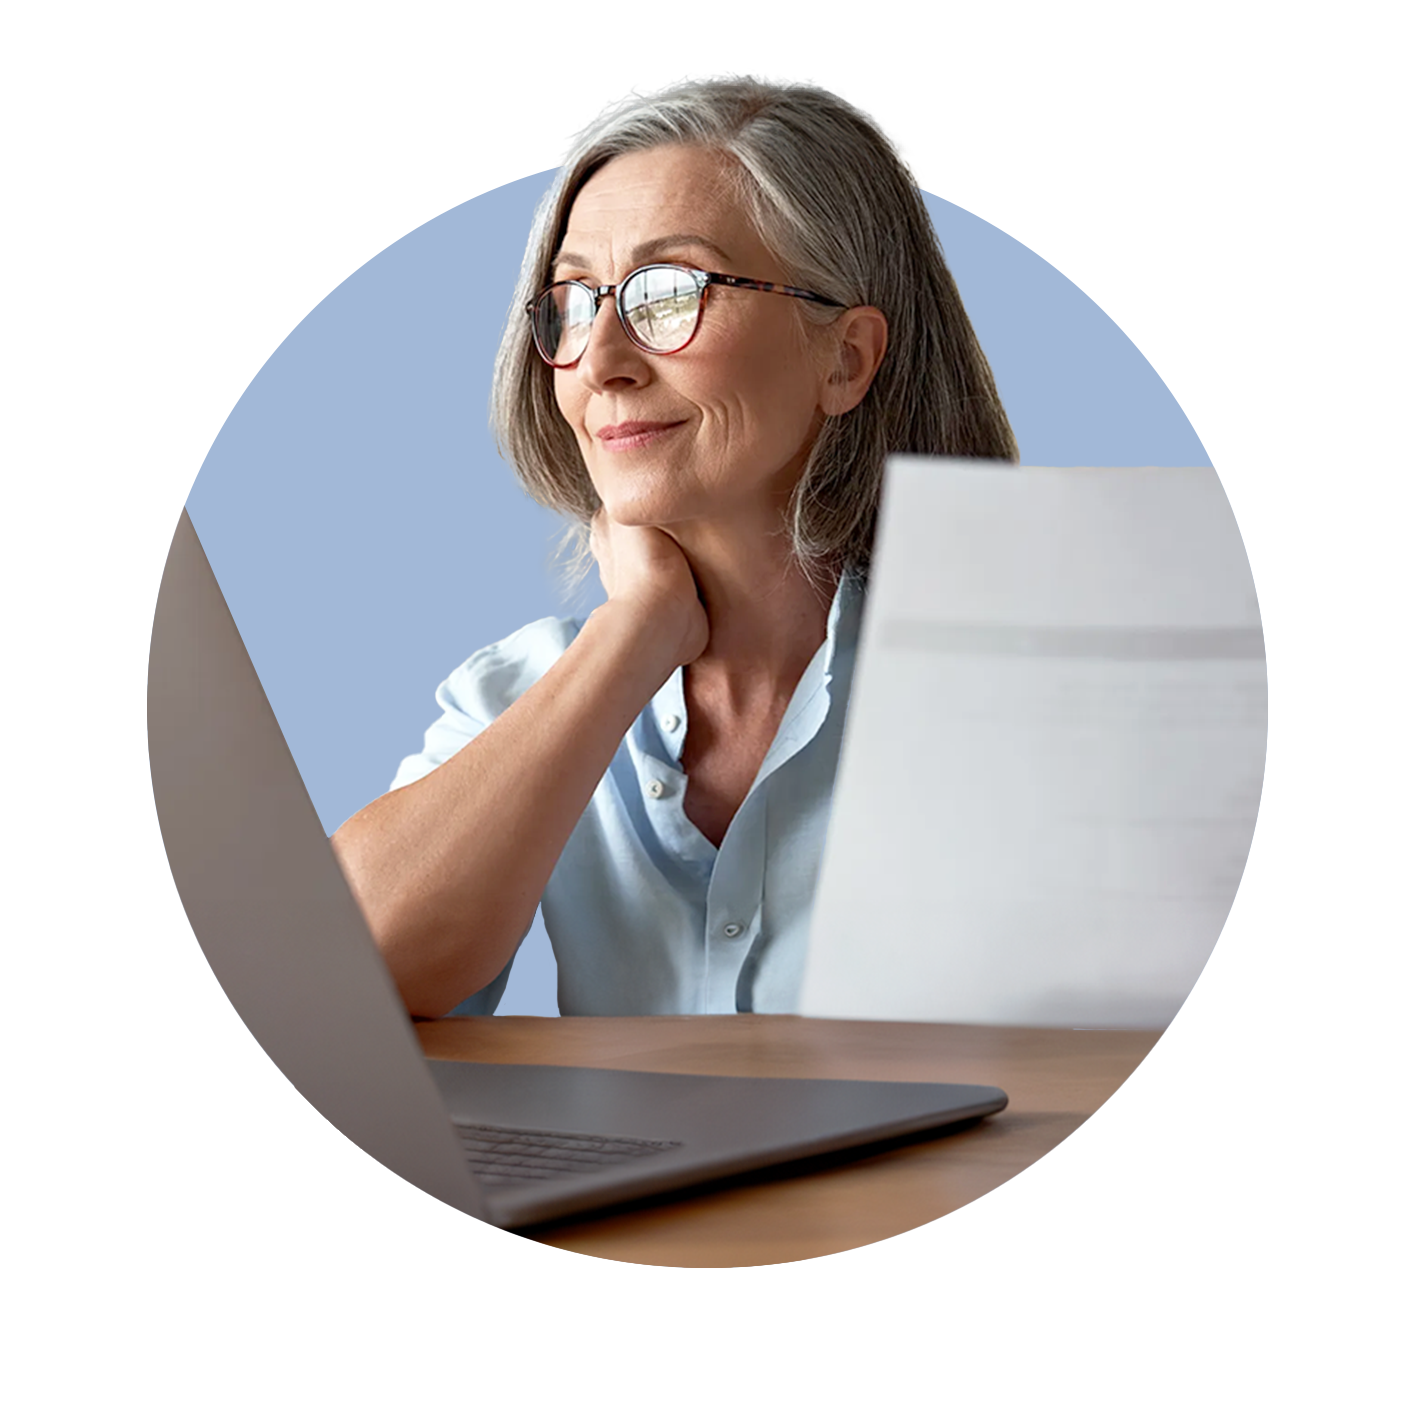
(842,629)
(833,663)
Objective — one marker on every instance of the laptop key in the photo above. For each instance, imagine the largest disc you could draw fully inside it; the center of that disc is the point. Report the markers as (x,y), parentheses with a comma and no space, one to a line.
(500,1155)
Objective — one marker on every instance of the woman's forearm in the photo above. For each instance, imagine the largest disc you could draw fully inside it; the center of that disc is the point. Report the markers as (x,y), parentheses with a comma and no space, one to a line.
(449,870)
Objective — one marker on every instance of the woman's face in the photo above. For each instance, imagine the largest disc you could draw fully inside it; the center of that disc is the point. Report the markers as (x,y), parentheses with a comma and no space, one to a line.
(720,431)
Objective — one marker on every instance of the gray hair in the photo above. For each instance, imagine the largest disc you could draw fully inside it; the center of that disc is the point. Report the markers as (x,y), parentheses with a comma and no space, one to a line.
(834,203)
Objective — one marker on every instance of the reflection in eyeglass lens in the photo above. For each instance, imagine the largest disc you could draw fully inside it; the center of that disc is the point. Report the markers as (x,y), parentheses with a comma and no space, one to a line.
(661,305)
(562,322)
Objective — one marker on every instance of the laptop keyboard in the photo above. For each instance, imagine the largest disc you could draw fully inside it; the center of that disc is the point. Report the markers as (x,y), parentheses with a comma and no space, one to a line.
(497,1155)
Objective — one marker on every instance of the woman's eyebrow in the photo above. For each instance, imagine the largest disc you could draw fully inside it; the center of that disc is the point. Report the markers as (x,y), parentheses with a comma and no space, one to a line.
(569,258)
(647,250)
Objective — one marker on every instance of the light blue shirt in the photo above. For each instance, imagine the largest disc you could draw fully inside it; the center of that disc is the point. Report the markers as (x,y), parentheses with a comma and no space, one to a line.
(644,914)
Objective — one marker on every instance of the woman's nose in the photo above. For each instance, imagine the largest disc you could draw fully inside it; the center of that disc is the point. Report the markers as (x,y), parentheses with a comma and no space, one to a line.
(610,357)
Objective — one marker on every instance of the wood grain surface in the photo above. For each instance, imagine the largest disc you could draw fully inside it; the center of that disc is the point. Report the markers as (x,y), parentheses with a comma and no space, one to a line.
(1054,1079)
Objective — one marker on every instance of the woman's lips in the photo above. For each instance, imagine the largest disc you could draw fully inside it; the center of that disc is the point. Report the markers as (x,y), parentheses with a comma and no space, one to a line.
(624,437)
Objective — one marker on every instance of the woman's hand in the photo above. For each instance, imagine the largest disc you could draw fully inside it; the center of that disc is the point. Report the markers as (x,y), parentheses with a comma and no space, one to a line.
(644,571)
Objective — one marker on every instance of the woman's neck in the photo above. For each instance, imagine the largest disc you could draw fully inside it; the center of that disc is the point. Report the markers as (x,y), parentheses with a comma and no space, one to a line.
(766,617)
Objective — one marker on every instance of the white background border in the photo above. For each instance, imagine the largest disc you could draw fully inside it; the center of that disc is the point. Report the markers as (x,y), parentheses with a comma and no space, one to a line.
(85,88)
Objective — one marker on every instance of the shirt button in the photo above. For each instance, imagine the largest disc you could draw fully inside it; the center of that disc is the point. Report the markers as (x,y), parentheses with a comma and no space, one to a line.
(672,722)
(732,930)
(655,789)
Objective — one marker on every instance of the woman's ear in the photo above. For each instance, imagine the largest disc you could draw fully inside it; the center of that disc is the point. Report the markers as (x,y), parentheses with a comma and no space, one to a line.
(861,337)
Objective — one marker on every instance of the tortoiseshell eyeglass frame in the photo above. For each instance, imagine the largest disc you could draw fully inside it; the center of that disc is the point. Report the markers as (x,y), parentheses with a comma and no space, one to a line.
(702,278)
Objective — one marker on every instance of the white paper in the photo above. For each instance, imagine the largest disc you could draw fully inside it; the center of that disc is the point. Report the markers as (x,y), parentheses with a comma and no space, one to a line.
(1054,753)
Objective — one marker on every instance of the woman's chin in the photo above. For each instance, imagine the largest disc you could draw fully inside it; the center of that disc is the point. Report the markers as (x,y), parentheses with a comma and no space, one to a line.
(645,510)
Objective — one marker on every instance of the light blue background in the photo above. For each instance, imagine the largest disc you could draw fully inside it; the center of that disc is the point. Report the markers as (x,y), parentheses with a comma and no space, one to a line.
(321,331)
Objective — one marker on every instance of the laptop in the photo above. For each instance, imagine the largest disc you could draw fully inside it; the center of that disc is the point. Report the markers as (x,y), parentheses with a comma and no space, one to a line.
(514,1145)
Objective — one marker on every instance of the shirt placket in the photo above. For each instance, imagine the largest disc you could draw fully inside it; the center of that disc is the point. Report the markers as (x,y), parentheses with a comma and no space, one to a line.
(662,778)
(734,904)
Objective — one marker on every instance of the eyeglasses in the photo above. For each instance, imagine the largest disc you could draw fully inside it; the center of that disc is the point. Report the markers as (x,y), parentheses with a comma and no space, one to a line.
(660,307)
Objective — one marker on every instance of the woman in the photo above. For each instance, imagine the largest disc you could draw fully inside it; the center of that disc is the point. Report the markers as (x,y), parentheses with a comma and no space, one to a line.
(732,306)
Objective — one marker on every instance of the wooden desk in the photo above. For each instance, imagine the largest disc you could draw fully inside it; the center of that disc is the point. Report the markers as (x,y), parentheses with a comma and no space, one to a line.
(1054,1081)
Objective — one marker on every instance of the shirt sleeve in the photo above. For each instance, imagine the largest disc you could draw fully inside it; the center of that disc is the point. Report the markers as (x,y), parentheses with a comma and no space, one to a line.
(472,697)
(478,692)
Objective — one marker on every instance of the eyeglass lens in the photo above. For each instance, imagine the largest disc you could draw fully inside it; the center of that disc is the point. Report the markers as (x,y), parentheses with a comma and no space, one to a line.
(660,304)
